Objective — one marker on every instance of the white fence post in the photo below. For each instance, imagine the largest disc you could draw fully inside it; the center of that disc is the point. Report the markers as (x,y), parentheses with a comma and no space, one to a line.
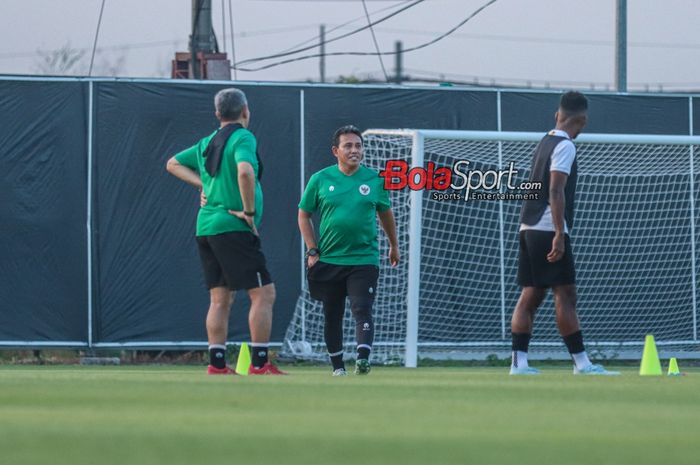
(414,259)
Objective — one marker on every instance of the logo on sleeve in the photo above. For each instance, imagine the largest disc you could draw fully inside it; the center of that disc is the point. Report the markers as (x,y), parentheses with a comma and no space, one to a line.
(364,189)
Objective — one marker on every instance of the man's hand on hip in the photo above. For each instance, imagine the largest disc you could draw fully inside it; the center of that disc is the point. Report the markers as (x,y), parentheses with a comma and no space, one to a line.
(248,219)
(311,260)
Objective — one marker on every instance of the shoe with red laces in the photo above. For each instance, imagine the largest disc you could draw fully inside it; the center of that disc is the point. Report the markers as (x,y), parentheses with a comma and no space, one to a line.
(212,370)
(267,369)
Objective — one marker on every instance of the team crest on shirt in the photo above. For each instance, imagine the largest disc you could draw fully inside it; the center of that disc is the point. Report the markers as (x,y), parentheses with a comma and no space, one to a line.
(364,189)
(332,188)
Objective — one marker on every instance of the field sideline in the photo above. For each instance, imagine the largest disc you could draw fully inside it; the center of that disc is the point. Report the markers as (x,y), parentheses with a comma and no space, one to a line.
(177,415)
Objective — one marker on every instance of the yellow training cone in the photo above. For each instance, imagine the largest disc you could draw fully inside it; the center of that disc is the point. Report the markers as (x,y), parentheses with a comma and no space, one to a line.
(673,367)
(243,362)
(651,365)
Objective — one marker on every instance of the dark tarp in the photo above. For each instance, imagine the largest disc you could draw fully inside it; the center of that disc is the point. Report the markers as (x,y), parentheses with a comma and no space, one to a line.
(149,279)
(148,284)
(608,114)
(43,211)
(326,109)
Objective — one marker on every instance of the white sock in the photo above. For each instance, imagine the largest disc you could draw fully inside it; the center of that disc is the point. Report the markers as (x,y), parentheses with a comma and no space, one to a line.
(519,359)
(581,360)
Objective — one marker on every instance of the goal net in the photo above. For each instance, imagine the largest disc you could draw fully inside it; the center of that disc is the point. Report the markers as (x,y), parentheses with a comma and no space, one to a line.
(453,294)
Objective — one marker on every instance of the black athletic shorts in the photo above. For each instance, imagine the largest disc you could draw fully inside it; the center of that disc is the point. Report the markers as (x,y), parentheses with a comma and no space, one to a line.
(330,282)
(233,260)
(533,268)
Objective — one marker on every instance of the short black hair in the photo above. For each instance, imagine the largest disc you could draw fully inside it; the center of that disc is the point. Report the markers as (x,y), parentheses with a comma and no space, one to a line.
(348,129)
(573,102)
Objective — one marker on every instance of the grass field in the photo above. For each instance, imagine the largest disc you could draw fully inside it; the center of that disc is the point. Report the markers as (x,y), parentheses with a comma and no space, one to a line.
(177,415)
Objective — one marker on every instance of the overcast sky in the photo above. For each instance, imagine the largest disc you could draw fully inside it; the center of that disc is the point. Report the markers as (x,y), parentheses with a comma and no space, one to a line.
(567,43)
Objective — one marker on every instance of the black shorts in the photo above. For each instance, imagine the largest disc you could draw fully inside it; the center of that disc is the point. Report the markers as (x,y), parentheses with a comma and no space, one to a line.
(533,268)
(233,260)
(330,282)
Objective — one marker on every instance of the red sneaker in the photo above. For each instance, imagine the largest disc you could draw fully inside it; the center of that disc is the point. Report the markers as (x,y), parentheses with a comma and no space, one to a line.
(212,370)
(267,369)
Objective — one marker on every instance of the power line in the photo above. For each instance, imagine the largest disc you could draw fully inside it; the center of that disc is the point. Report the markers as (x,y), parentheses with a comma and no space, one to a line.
(545,40)
(340,26)
(273,31)
(316,45)
(97,33)
(411,49)
(374,39)
(504,38)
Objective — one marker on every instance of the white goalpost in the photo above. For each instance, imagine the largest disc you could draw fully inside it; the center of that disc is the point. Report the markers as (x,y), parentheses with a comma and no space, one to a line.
(452,295)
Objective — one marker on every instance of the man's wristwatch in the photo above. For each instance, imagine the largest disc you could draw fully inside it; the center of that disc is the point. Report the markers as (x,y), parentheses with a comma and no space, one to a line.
(249,213)
(313,252)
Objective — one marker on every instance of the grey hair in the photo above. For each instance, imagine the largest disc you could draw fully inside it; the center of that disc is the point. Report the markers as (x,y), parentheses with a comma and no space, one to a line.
(229,103)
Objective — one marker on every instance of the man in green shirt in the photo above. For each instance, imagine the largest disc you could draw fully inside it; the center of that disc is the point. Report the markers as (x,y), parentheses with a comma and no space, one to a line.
(345,261)
(225,167)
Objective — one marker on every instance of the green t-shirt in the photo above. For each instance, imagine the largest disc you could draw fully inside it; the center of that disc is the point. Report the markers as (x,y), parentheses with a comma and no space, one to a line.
(347,206)
(222,190)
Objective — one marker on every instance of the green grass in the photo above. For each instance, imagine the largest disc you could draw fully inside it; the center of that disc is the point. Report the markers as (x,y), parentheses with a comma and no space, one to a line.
(440,416)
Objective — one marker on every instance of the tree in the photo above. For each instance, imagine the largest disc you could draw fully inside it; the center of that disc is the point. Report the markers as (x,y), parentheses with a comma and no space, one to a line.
(68,61)
(63,61)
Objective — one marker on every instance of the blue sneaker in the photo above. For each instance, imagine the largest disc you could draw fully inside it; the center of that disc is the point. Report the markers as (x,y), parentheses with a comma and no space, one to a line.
(524,371)
(594,370)
(362,367)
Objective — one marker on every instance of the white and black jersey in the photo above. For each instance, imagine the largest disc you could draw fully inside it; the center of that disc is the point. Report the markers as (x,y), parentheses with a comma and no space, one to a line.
(555,152)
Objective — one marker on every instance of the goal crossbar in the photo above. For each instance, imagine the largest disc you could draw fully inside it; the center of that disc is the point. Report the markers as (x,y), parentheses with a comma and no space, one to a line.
(512,136)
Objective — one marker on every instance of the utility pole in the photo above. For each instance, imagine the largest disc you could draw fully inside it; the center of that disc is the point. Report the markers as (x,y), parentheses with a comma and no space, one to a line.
(203,60)
(398,72)
(621,47)
(202,38)
(322,41)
